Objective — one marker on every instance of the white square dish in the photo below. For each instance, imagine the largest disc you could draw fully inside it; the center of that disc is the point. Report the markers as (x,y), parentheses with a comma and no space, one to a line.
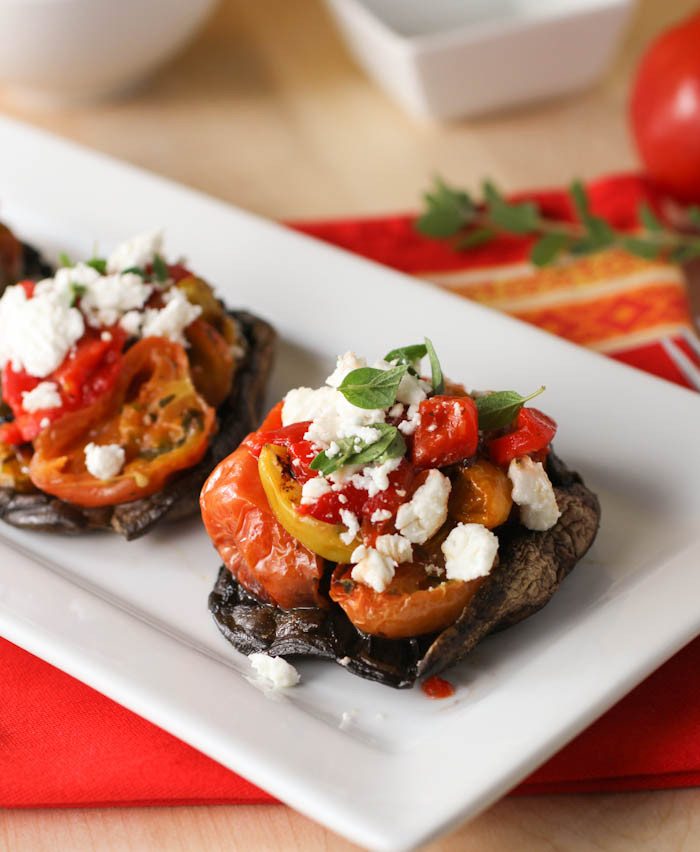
(396,769)
(449,58)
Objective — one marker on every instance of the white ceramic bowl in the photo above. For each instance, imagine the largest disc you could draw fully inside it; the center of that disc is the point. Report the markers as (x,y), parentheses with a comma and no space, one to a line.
(58,51)
(442,59)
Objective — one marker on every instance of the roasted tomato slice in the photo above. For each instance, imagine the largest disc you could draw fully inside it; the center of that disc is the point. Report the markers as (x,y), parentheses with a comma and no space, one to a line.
(211,362)
(153,412)
(481,494)
(448,431)
(413,604)
(254,546)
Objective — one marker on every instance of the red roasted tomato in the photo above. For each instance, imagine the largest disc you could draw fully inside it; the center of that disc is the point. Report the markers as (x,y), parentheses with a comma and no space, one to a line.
(255,547)
(448,431)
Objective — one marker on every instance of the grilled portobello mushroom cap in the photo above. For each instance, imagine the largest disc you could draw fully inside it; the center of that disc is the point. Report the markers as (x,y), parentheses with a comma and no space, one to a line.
(237,415)
(530,567)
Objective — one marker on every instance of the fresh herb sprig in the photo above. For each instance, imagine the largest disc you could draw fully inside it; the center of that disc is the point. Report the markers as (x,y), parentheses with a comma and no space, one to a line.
(389,444)
(499,409)
(453,214)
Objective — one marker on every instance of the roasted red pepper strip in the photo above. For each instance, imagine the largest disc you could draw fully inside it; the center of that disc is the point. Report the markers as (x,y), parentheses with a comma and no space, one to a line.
(533,432)
(448,431)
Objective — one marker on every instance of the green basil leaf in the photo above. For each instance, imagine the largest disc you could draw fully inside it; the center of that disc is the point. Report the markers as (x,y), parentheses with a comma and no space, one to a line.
(389,444)
(160,268)
(642,248)
(326,464)
(477,237)
(648,218)
(372,452)
(64,260)
(368,387)
(497,410)
(395,450)
(548,247)
(99,264)
(435,369)
(407,355)
(136,270)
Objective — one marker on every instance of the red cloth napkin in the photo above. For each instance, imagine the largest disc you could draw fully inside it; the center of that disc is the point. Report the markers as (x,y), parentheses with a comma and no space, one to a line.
(63,744)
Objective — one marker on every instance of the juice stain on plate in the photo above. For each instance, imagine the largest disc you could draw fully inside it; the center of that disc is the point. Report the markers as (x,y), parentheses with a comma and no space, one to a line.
(437,687)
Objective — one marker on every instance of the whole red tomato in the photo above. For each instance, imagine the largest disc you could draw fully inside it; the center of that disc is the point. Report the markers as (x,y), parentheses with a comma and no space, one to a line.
(665,110)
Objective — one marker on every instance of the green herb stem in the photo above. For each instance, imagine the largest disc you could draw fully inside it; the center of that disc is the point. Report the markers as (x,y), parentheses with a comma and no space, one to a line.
(452,214)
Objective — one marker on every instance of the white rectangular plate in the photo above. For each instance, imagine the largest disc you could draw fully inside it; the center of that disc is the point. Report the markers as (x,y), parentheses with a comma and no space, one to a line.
(400,768)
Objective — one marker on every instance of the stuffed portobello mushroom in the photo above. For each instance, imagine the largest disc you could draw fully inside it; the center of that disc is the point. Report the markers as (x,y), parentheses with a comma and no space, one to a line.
(124,382)
(389,521)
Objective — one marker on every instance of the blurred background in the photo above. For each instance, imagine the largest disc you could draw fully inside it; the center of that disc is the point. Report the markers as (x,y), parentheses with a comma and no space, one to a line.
(266,108)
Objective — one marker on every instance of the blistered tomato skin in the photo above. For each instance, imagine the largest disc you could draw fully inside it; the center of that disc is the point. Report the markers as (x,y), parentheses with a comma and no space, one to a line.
(448,431)
(254,546)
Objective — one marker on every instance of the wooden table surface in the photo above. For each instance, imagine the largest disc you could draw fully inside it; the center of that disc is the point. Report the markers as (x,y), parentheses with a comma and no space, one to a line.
(266,110)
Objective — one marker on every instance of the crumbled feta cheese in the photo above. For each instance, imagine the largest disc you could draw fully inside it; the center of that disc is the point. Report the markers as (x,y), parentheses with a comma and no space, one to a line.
(345,364)
(410,390)
(353,526)
(274,670)
(137,251)
(433,570)
(470,551)
(104,461)
(396,547)
(359,553)
(396,411)
(44,395)
(380,515)
(533,492)
(342,498)
(171,320)
(108,297)
(36,334)
(333,450)
(43,424)
(426,512)
(408,426)
(106,336)
(373,569)
(373,478)
(314,488)
(131,323)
